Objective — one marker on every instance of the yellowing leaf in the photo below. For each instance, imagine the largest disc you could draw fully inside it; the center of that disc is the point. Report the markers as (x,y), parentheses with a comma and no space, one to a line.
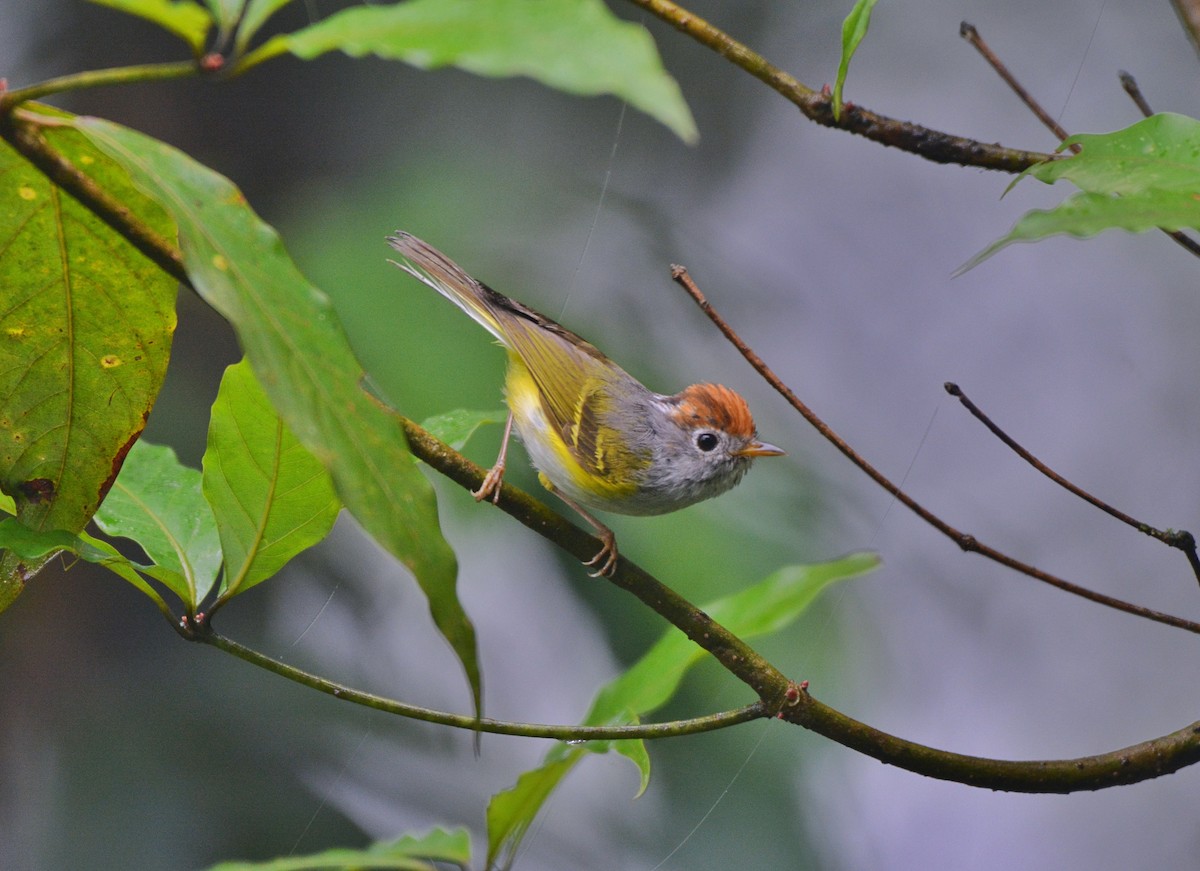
(85,335)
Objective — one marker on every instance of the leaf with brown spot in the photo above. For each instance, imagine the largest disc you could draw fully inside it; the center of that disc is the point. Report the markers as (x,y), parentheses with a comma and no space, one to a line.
(85,334)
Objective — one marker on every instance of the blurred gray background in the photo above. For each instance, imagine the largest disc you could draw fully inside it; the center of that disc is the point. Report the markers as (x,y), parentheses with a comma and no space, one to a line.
(123,747)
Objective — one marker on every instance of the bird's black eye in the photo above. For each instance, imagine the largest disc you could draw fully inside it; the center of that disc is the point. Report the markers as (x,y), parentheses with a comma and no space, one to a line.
(707,441)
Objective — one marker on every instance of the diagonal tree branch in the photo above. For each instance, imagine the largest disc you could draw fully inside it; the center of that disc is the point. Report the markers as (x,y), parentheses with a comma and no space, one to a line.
(971,35)
(201,631)
(788,700)
(26,138)
(1180,539)
(1189,16)
(818,106)
(964,540)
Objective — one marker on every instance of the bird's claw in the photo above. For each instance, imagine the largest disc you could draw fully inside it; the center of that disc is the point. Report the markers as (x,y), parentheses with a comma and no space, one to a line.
(607,557)
(492,482)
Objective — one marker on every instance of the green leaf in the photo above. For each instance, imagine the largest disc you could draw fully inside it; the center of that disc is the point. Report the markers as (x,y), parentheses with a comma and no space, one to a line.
(30,544)
(103,553)
(157,503)
(651,682)
(226,12)
(296,345)
(1144,177)
(256,15)
(1161,152)
(184,18)
(456,427)
(271,498)
(854,29)
(577,46)
(511,811)
(1087,214)
(406,854)
(85,337)
(766,607)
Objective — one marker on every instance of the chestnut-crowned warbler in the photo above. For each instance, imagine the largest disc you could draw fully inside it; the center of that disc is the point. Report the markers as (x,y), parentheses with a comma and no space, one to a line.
(598,438)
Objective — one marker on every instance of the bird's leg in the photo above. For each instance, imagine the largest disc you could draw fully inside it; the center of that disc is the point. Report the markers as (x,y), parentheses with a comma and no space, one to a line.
(607,558)
(495,476)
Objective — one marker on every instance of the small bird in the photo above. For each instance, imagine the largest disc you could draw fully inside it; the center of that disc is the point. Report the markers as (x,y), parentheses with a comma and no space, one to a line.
(598,438)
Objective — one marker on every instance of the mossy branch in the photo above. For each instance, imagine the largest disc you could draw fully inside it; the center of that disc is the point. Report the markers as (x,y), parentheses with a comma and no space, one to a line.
(818,105)
(778,696)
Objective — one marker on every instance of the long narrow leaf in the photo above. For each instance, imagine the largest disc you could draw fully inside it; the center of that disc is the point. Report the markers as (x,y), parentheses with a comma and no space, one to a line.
(651,682)
(296,345)
(577,46)
(410,853)
(256,15)
(30,544)
(854,30)
(226,12)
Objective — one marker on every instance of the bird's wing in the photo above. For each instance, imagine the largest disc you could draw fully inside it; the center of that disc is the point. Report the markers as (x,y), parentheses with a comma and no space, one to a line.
(576,384)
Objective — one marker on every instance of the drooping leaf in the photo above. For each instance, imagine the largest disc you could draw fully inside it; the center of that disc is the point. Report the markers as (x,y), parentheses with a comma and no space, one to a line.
(854,29)
(651,682)
(85,336)
(409,853)
(29,544)
(1087,214)
(1144,177)
(256,15)
(296,345)
(271,498)
(184,18)
(456,427)
(577,46)
(157,502)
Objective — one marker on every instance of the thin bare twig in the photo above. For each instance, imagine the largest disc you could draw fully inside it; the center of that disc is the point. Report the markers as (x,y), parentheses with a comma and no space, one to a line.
(969,33)
(1177,538)
(1129,83)
(201,631)
(963,540)
(790,701)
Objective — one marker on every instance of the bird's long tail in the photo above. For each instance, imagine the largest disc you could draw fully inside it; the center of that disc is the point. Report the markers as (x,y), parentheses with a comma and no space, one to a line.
(430,266)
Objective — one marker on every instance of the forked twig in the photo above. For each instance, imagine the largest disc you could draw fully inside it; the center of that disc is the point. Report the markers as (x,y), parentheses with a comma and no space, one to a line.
(971,35)
(1180,539)
(963,540)
(790,701)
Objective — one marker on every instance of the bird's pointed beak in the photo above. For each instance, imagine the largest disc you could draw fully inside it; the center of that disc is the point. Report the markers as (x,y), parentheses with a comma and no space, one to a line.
(760,449)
